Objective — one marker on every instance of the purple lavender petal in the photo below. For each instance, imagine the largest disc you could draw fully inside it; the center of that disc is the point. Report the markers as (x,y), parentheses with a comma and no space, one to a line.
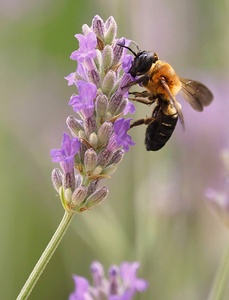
(122,138)
(71,78)
(65,155)
(87,46)
(129,109)
(127,62)
(84,102)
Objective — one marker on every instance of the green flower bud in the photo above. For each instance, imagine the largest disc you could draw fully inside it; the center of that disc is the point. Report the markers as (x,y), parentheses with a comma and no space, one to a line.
(93,139)
(111,30)
(107,57)
(110,169)
(108,82)
(101,105)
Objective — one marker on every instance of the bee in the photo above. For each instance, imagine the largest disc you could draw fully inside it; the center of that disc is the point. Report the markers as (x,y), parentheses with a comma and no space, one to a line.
(162,85)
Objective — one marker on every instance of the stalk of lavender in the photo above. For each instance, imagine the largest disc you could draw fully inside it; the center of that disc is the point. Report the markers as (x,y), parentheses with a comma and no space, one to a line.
(99,133)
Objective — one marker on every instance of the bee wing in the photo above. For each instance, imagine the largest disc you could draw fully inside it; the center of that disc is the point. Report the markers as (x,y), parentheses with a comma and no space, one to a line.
(174,101)
(195,93)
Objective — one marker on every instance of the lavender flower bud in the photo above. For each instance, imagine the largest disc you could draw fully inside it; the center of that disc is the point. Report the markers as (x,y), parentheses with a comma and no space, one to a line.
(92,187)
(97,171)
(74,125)
(86,29)
(78,197)
(111,30)
(109,170)
(101,105)
(68,195)
(57,179)
(90,125)
(104,133)
(90,160)
(78,180)
(121,106)
(69,181)
(108,82)
(108,57)
(114,103)
(98,27)
(98,60)
(97,197)
(93,140)
(93,76)
(118,51)
(82,151)
(117,157)
(104,157)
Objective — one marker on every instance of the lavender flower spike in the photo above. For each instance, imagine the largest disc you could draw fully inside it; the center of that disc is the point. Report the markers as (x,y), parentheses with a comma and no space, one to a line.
(99,132)
(122,283)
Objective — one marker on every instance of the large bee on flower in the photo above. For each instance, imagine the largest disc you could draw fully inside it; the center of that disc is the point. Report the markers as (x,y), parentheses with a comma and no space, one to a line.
(162,85)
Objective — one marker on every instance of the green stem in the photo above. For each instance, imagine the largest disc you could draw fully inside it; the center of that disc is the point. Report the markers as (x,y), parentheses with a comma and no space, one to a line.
(221,280)
(45,257)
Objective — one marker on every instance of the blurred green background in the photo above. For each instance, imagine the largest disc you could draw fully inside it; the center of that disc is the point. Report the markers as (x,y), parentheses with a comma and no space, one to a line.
(155,212)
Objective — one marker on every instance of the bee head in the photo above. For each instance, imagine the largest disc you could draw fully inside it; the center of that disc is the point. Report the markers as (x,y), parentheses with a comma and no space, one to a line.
(142,62)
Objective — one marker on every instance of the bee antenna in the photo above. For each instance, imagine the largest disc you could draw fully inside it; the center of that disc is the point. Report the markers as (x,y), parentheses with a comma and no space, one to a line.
(136,45)
(128,49)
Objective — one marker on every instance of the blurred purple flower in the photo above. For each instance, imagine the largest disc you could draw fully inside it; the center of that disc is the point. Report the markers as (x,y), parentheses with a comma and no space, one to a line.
(84,102)
(65,155)
(87,46)
(81,289)
(122,283)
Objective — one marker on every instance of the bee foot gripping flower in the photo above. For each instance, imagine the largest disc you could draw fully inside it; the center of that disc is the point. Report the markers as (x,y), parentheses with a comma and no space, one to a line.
(99,132)
(122,283)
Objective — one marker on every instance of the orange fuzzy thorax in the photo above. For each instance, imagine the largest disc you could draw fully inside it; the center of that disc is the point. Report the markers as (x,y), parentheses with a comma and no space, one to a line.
(158,71)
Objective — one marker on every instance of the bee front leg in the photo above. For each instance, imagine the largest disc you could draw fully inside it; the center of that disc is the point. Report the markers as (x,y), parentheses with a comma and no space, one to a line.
(142,79)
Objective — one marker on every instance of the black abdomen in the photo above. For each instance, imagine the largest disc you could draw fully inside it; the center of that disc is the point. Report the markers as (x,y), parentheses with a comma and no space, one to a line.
(159,131)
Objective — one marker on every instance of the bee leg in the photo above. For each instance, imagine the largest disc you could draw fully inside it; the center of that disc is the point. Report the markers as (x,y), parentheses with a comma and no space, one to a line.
(145,121)
(144,94)
(141,97)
